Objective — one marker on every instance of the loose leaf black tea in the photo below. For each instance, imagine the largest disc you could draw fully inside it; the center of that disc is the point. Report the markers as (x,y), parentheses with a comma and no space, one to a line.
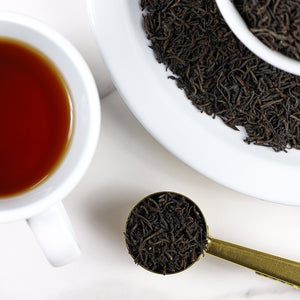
(275,22)
(165,233)
(220,75)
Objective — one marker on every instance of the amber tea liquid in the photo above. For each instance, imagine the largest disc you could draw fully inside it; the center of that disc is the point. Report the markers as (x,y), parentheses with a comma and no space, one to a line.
(35,117)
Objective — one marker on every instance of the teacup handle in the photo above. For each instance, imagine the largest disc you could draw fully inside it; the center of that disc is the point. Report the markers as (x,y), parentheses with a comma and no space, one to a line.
(54,233)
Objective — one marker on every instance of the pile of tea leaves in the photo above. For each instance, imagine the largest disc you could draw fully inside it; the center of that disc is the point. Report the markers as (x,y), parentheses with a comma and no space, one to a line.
(275,22)
(220,75)
(165,233)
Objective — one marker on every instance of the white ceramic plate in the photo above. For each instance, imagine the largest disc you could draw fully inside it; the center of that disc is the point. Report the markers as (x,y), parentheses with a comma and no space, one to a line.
(205,144)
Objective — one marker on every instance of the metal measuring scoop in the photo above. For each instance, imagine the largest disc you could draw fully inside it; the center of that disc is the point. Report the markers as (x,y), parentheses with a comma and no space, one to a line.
(264,264)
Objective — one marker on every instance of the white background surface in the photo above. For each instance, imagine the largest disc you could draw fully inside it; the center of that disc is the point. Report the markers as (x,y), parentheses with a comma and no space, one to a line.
(128,165)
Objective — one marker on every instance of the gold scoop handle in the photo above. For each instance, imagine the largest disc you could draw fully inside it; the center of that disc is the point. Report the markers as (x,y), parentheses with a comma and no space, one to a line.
(286,271)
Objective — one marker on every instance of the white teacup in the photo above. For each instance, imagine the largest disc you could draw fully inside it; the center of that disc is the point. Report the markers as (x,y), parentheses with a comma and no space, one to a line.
(42,206)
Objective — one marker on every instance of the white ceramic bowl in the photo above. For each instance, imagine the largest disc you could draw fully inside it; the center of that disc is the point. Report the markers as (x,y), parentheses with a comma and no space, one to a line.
(240,29)
(207,145)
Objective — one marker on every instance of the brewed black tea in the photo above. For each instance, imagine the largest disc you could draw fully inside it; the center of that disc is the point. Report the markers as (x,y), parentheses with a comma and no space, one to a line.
(35,117)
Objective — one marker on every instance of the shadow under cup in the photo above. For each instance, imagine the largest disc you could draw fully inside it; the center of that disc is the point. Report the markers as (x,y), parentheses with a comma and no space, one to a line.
(86,113)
